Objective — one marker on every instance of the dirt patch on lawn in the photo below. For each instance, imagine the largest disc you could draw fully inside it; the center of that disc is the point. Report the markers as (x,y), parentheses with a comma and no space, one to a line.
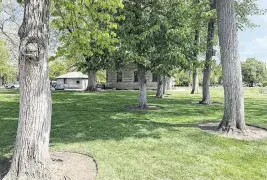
(65,166)
(136,108)
(73,166)
(252,133)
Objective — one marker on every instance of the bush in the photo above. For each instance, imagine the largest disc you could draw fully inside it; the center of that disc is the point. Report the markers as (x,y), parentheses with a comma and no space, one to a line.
(264,83)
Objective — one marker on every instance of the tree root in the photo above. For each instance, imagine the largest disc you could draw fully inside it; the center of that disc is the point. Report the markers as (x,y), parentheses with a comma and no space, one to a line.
(205,102)
(231,129)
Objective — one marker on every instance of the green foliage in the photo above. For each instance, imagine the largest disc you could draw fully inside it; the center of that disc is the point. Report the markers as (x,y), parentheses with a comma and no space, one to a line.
(253,71)
(87,28)
(135,30)
(57,68)
(101,74)
(264,83)
(182,77)
(7,70)
(245,9)
(216,73)
(172,41)
(157,34)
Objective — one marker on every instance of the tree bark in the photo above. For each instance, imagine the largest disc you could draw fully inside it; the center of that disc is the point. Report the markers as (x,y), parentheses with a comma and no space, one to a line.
(2,81)
(31,155)
(164,84)
(92,85)
(195,83)
(233,117)
(206,98)
(159,87)
(142,87)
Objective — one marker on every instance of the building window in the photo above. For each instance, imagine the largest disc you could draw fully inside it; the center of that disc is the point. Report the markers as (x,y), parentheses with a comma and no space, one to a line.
(214,52)
(119,76)
(65,81)
(154,77)
(78,82)
(135,76)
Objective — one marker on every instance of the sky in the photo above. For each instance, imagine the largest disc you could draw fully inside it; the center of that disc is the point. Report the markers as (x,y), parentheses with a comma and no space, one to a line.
(253,42)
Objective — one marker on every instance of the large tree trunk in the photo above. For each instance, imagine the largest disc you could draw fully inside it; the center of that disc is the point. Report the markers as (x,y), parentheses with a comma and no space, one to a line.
(31,155)
(92,85)
(142,87)
(233,117)
(207,68)
(159,87)
(195,83)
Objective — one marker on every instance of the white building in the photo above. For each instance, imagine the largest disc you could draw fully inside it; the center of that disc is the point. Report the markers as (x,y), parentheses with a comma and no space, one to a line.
(73,80)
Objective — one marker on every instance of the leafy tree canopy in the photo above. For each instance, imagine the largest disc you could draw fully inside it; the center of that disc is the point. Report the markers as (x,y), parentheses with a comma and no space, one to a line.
(87,28)
(253,71)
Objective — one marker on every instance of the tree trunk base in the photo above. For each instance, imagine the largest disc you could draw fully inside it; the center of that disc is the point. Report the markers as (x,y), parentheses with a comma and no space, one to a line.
(194,92)
(230,128)
(29,173)
(90,89)
(205,102)
(159,96)
(142,107)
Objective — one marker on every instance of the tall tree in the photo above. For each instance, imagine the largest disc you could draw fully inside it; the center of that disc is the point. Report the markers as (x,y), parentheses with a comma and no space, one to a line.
(87,29)
(195,82)
(244,9)
(134,33)
(233,117)
(197,22)
(208,61)
(31,155)
(170,40)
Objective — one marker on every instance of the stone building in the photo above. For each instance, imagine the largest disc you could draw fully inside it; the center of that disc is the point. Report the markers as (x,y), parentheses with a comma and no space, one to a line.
(127,79)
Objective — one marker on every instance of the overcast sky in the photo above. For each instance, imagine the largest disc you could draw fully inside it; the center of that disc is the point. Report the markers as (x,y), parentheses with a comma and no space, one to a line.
(253,42)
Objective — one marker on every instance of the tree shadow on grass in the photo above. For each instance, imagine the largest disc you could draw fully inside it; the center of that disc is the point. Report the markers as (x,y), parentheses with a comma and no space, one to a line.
(82,117)
(108,126)
(4,167)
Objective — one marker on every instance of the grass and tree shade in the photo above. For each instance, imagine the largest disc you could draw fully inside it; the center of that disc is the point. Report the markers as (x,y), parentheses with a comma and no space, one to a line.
(160,144)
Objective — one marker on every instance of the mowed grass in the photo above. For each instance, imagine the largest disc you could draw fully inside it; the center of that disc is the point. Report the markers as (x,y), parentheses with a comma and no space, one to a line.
(163,144)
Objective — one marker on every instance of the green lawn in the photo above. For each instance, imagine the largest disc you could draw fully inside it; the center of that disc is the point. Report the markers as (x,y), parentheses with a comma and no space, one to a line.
(163,144)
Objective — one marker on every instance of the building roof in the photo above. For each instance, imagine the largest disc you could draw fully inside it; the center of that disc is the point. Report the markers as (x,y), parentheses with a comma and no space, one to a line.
(73,75)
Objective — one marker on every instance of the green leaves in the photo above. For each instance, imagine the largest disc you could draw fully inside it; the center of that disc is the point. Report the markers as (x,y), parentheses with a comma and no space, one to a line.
(6,68)
(87,27)
(253,71)
(244,9)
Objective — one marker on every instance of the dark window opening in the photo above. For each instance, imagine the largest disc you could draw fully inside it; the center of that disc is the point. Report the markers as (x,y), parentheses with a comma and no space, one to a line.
(214,52)
(65,81)
(154,77)
(78,82)
(135,76)
(119,76)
